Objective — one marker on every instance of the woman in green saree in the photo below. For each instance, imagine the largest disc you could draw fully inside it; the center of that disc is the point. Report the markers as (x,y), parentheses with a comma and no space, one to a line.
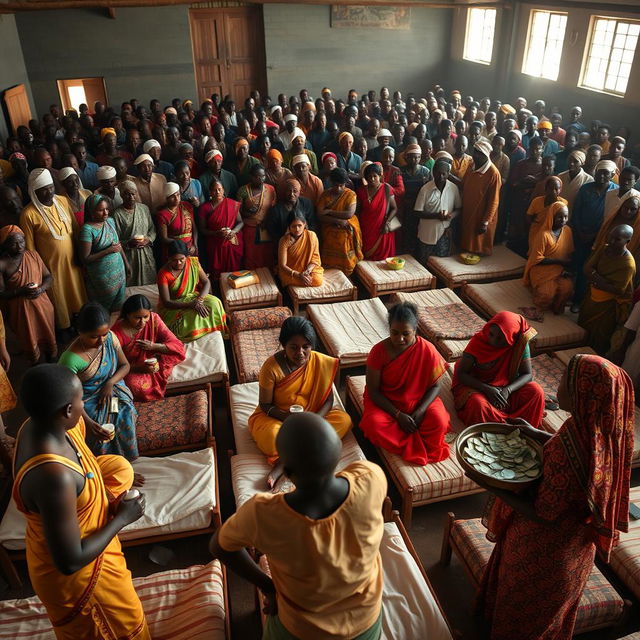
(186,306)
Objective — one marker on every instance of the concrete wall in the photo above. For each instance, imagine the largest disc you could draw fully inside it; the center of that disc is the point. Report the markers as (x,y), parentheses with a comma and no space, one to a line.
(504,76)
(144,53)
(303,51)
(12,65)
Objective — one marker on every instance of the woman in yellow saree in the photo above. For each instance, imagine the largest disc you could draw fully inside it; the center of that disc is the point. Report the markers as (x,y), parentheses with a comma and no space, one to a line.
(185,305)
(71,500)
(340,234)
(299,261)
(549,258)
(296,375)
(627,213)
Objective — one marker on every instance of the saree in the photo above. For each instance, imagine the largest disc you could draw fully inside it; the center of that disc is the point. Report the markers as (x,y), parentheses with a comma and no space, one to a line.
(404,382)
(372,215)
(584,496)
(97,602)
(259,247)
(223,255)
(179,225)
(187,324)
(540,214)
(498,367)
(93,376)
(613,221)
(304,251)
(341,248)
(106,278)
(8,399)
(130,224)
(308,386)
(31,319)
(602,313)
(149,386)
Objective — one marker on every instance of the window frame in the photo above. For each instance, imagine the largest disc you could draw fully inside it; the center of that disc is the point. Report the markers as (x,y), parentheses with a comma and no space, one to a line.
(470,11)
(587,54)
(551,13)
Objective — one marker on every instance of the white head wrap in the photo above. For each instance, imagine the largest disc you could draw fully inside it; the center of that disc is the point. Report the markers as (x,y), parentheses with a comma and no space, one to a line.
(297,133)
(128,184)
(171,188)
(65,172)
(384,133)
(484,147)
(444,155)
(38,179)
(609,165)
(291,116)
(518,133)
(106,172)
(212,154)
(150,144)
(276,107)
(143,157)
(303,158)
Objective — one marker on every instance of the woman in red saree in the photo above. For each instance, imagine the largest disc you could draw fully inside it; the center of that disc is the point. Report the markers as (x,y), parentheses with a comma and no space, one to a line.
(546,543)
(402,411)
(176,222)
(493,381)
(220,222)
(376,208)
(144,336)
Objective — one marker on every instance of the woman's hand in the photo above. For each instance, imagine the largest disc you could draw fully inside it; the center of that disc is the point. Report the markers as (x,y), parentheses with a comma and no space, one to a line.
(495,397)
(535,434)
(131,510)
(201,308)
(105,394)
(97,431)
(418,416)
(192,250)
(147,345)
(482,229)
(306,278)
(597,280)
(407,423)
(194,201)
(444,215)
(115,248)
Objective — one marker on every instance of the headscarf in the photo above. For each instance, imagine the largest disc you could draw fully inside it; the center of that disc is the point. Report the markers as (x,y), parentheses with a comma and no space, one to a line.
(345,134)
(413,148)
(274,154)
(171,110)
(128,184)
(106,131)
(444,155)
(150,144)
(598,441)
(603,233)
(518,133)
(609,165)
(106,172)
(17,156)
(363,166)
(39,178)
(507,109)
(545,124)
(170,188)
(328,154)
(5,232)
(213,153)
(303,158)
(384,133)
(580,156)
(291,116)
(186,103)
(297,133)
(546,224)
(143,157)
(91,204)
(484,147)
(276,107)
(240,142)
(65,172)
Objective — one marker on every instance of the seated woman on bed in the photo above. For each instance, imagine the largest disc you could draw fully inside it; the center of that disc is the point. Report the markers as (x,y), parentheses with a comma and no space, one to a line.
(492,382)
(402,411)
(151,349)
(186,306)
(296,375)
(299,261)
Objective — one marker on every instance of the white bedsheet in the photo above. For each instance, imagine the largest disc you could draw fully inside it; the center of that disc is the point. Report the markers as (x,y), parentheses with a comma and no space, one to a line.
(205,361)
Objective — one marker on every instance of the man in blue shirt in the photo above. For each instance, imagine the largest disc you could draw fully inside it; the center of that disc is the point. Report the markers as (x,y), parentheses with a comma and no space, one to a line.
(86,170)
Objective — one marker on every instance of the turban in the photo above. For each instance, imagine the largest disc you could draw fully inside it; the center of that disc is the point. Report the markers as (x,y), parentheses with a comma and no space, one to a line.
(39,178)
(444,155)
(17,156)
(276,107)
(170,188)
(303,158)
(518,133)
(484,146)
(171,110)
(455,92)
(384,133)
(363,167)
(580,156)
(274,154)
(608,165)
(207,100)
(187,102)
(65,172)
(345,134)
(291,116)
(128,184)
(106,172)
(507,109)
(143,157)
(241,142)
(412,148)
(150,144)
(326,89)
(308,106)
(5,232)
(328,154)
(545,124)
(214,153)
(106,130)
(297,133)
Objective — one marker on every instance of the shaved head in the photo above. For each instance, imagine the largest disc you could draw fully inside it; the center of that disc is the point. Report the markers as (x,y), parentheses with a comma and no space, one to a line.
(48,388)
(308,446)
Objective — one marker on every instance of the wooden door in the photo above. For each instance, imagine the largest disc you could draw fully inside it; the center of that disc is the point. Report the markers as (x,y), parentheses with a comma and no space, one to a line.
(75,91)
(228,51)
(16,104)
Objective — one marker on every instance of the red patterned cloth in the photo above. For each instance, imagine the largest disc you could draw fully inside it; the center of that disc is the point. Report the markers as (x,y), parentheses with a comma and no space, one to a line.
(537,571)
(450,322)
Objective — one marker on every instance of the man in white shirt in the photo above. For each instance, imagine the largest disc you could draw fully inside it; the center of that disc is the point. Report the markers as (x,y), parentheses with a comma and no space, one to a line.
(438,202)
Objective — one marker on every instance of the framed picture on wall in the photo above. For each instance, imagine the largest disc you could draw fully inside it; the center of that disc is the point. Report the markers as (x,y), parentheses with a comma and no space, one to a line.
(350,16)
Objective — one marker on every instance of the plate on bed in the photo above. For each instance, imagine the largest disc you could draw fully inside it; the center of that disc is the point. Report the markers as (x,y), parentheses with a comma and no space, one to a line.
(503,455)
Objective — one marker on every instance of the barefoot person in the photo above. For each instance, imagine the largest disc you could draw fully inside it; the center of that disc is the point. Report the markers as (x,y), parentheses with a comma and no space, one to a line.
(73,506)
(322,540)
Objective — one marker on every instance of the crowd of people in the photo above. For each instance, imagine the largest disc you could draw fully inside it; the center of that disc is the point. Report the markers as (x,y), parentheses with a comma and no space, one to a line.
(95,201)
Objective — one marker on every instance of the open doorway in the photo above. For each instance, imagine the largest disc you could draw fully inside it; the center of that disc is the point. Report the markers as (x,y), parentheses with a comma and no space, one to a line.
(76,91)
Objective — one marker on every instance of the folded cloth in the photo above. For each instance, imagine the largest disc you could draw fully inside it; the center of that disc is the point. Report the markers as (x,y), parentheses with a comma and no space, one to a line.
(532,313)
(240,279)
(450,321)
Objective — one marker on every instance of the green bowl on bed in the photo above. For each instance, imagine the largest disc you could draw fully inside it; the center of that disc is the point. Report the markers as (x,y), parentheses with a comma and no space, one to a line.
(395,264)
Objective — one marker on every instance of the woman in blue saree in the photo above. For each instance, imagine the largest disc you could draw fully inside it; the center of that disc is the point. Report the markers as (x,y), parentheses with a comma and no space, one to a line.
(106,265)
(96,357)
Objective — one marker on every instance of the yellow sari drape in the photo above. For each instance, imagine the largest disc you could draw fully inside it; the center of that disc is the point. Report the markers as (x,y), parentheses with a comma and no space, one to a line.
(613,221)
(97,602)
(300,254)
(309,386)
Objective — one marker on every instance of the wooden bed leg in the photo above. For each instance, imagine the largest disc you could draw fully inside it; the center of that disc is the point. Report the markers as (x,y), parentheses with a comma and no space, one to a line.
(387,510)
(445,552)
(9,570)
(407,508)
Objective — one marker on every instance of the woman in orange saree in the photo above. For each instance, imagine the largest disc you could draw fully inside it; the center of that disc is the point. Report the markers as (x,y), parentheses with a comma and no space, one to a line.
(492,382)
(402,411)
(546,541)
(628,212)
(340,235)
(71,500)
(549,258)
(143,337)
(295,375)
(299,254)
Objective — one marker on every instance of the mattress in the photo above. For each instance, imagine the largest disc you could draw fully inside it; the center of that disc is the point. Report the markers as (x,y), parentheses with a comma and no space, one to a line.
(335,285)
(625,558)
(205,361)
(349,330)
(375,275)
(181,604)
(263,294)
(180,493)
(555,332)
